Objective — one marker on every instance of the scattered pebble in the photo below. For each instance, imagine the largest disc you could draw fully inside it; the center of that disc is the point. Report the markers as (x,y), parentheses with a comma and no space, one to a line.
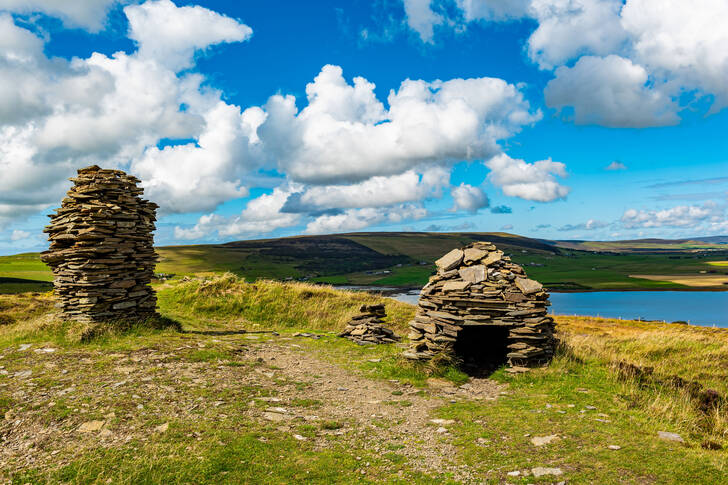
(46,350)
(543,440)
(670,436)
(162,428)
(540,471)
(299,437)
(515,473)
(614,447)
(441,430)
(590,408)
(24,347)
(442,421)
(91,426)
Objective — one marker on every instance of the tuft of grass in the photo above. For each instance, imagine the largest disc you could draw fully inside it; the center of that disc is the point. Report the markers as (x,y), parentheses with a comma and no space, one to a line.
(270,304)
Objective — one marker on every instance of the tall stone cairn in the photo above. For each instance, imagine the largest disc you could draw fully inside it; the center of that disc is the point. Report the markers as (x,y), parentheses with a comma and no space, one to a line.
(102,248)
(478,285)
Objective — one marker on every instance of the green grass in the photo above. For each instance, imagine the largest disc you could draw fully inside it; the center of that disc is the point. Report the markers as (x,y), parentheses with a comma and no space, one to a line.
(186,379)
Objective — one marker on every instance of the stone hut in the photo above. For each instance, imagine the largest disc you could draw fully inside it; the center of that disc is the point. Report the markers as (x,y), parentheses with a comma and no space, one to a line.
(481,308)
(102,248)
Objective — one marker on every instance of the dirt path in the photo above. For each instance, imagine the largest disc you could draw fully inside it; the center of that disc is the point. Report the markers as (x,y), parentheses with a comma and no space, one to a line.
(379,415)
(55,396)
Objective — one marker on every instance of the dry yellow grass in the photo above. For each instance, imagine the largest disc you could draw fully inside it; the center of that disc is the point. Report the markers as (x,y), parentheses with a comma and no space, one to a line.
(699,280)
(697,354)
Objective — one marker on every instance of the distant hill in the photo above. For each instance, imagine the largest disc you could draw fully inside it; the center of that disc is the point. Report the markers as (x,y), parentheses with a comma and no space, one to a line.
(405,259)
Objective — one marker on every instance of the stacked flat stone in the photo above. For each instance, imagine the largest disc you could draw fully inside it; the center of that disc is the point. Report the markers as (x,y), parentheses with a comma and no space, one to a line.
(479,285)
(102,248)
(368,327)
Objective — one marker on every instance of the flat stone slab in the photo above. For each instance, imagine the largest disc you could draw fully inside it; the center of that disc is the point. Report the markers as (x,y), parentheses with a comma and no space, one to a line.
(451,260)
(528,286)
(456,286)
(474,254)
(473,274)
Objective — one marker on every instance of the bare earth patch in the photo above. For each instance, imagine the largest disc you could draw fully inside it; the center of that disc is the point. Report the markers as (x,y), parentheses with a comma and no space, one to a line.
(64,402)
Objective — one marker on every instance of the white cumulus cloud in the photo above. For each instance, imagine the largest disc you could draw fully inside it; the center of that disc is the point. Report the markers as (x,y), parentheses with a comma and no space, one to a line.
(87,14)
(345,134)
(171,35)
(356,219)
(680,216)
(469,198)
(610,91)
(531,181)
(421,18)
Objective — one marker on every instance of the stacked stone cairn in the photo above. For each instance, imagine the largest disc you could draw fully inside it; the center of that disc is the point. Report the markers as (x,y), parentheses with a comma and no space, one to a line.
(102,248)
(479,285)
(368,328)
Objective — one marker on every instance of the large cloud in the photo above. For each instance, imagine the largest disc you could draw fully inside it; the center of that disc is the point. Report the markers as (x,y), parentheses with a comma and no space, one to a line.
(356,219)
(531,181)
(379,191)
(171,35)
(610,91)
(261,215)
(346,135)
(662,53)
(568,28)
(88,14)
(108,110)
(682,42)
(686,216)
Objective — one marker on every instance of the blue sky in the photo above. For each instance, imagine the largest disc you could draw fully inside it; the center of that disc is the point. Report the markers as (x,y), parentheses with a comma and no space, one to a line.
(562,119)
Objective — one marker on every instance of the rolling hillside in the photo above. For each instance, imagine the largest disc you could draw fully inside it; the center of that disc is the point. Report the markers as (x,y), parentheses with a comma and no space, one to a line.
(405,259)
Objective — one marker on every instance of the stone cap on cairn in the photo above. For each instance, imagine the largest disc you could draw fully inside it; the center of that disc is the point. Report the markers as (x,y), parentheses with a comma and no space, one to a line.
(479,286)
(102,248)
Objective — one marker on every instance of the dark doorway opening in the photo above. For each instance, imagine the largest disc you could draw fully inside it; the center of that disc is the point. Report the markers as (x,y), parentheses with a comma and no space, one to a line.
(482,349)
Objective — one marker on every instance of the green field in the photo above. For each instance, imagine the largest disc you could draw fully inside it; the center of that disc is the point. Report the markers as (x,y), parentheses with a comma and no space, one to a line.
(406,260)
(220,398)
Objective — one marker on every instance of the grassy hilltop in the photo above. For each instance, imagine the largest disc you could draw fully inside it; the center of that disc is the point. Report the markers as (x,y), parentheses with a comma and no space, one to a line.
(224,400)
(406,260)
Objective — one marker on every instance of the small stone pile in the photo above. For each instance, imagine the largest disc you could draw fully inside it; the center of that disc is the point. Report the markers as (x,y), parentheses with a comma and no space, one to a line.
(102,248)
(480,286)
(368,328)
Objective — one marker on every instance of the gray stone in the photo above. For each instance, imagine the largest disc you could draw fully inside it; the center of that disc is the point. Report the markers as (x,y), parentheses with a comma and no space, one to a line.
(540,471)
(456,286)
(665,435)
(543,440)
(528,286)
(474,255)
(473,274)
(450,261)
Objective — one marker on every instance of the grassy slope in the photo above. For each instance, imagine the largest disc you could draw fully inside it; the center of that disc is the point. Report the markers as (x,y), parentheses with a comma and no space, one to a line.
(209,442)
(558,269)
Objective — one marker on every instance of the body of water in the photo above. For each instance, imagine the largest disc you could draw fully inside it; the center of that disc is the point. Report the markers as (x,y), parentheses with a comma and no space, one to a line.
(705,308)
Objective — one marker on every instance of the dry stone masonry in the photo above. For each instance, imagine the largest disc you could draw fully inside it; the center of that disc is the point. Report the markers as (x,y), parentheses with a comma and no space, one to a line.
(101,252)
(481,307)
(368,328)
